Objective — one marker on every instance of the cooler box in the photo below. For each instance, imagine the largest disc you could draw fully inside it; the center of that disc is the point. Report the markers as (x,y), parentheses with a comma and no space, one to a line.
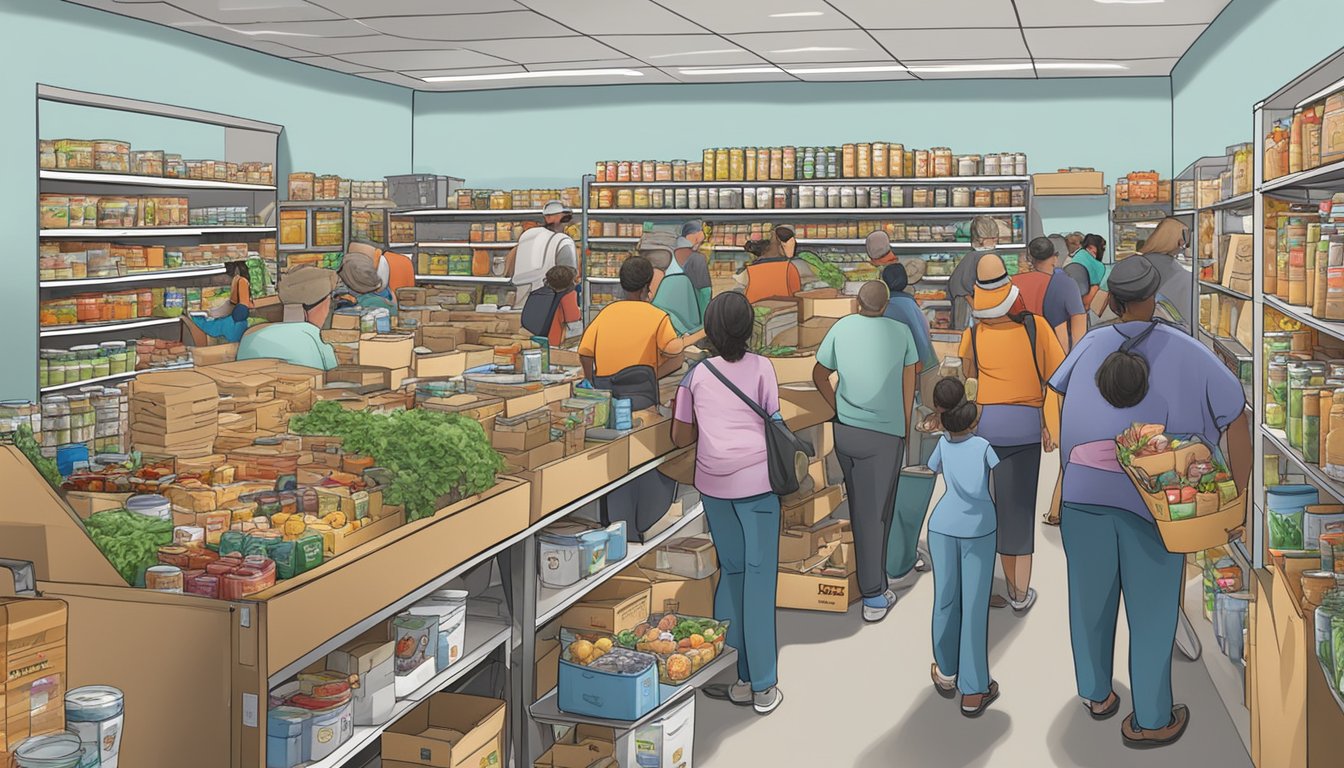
(584,691)
(422,190)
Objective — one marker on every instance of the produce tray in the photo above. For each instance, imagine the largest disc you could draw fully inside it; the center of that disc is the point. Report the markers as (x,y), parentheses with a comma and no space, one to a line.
(671,670)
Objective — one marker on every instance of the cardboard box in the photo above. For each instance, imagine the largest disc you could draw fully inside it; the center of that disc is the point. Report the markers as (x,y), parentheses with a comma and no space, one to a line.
(581,747)
(548,666)
(85,503)
(525,440)
(820,436)
(360,375)
(343,540)
(825,302)
(670,593)
(816,473)
(790,370)
(802,406)
(33,660)
(214,354)
(1073,182)
(612,607)
(815,584)
(334,336)
(477,355)
(440,365)
(562,482)
(387,350)
(355,505)
(651,440)
(469,404)
(345,321)
(542,455)
(813,510)
(273,416)
(447,731)
(524,403)
(441,338)
(372,662)
(796,544)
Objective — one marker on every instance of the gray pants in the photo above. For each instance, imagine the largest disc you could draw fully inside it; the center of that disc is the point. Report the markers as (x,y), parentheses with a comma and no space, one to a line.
(871,462)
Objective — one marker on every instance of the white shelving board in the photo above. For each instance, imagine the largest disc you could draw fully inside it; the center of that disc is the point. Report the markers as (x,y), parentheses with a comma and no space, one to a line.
(707,213)
(463,279)
(85,329)
(865,182)
(160,182)
(138,277)
(153,232)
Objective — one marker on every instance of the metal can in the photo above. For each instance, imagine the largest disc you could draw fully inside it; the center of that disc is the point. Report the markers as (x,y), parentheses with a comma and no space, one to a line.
(623,171)
(708,164)
(788,164)
(163,578)
(648,170)
(532,364)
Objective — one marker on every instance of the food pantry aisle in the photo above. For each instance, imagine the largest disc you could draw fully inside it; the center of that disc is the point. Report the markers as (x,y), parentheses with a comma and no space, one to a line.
(860,695)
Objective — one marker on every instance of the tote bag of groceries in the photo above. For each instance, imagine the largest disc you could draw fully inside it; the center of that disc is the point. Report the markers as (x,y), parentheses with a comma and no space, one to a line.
(1185,483)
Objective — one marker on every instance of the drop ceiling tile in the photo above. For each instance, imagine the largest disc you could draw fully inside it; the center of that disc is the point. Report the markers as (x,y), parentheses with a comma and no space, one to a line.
(595,18)
(335,46)
(836,45)
(948,14)
(816,72)
(1160,67)
(682,50)
(244,11)
(446,58)
(960,69)
(736,16)
(159,13)
(298,29)
(1075,13)
(359,9)
(937,43)
(536,50)
(1113,43)
(331,62)
(468,26)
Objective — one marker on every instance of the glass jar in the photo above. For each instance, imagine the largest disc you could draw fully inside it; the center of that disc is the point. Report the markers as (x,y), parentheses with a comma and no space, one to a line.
(55,750)
(1299,378)
(1276,396)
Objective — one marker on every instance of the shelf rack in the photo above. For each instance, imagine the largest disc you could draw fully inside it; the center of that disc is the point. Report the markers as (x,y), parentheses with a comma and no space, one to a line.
(241,140)
(661,215)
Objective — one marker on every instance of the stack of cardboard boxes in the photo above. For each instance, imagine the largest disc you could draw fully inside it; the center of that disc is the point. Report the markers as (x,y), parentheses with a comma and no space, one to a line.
(32,657)
(174,413)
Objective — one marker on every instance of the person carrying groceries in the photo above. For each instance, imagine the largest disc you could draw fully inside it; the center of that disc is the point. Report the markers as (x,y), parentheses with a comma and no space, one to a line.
(876,359)
(961,542)
(691,261)
(1089,257)
(734,484)
(1176,291)
(1012,353)
(1139,370)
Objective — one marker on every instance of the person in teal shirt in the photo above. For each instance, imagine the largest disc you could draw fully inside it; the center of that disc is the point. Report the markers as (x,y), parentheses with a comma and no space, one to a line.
(306,293)
(876,358)
(366,287)
(1090,256)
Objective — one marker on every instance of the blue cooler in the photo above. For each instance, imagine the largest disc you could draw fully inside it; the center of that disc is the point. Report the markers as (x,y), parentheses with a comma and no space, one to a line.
(616,541)
(284,736)
(611,695)
(592,552)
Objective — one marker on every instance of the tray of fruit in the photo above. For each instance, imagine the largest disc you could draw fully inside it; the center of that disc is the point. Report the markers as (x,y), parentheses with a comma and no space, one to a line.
(682,644)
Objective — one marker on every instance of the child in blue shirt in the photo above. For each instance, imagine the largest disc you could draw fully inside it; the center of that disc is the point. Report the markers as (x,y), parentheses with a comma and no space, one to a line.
(962,544)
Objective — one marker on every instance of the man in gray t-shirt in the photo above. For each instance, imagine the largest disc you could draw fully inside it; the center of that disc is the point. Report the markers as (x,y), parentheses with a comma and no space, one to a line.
(693,262)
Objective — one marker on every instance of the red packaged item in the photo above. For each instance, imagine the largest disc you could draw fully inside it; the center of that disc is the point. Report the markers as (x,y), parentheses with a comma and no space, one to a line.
(224,565)
(204,585)
(200,559)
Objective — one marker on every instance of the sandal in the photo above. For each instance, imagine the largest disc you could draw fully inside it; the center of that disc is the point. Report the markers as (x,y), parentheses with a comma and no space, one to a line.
(1112,705)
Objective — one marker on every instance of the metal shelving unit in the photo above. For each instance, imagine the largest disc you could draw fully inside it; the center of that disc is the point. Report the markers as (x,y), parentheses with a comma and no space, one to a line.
(241,140)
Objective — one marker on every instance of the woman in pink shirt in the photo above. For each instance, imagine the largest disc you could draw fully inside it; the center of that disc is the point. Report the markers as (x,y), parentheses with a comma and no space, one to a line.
(734,485)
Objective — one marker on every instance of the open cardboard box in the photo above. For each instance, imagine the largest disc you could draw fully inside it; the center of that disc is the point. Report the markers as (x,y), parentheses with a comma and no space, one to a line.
(814,509)
(561,482)
(449,730)
(670,593)
(794,369)
(581,747)
(814,584)
(612,607)
(651,440)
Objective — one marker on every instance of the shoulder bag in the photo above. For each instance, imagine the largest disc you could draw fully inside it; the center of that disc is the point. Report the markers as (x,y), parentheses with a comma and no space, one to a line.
(781,445)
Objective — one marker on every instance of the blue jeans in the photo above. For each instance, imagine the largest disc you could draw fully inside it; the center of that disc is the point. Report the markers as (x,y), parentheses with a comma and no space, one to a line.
(963,573)
(1111,552)
(746,535)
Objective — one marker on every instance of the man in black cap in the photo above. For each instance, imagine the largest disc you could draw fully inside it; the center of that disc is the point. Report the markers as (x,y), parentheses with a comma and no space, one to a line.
(690,260)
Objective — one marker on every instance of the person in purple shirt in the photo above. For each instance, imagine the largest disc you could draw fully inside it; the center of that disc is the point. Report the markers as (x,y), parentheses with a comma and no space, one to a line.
(1137,370)
(734,485)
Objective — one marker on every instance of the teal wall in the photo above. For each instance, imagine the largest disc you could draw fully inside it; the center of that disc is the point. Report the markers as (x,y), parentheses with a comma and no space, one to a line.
(58,120)
(334,123)
(520,138)
(1254,48)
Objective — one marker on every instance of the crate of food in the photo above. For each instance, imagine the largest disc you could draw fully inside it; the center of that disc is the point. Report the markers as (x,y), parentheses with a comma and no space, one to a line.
(599,679)
(682,644)
(422,190)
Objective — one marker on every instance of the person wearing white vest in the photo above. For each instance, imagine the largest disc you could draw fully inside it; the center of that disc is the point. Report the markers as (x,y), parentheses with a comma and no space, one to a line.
(541,248)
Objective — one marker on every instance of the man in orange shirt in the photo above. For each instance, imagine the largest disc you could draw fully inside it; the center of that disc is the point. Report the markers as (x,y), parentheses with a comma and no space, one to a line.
(632,333)
(772,274)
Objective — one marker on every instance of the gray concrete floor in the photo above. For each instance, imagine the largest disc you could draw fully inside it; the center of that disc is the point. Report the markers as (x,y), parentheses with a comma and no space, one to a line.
(858,695)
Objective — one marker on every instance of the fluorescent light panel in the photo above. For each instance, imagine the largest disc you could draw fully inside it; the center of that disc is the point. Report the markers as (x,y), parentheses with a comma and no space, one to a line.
(755,70)
(876,68)
(813,49)
(795,14)
(695,53)
(847,70)
(535,75)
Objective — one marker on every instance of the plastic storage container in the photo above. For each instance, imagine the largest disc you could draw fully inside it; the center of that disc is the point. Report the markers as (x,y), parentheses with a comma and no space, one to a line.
(450,606)
(56,750)
(598,692)
(560,555)
(592,552)
(152,505)
(690,558)
(616,542)
(1286,505)
(284,736)
(327,730)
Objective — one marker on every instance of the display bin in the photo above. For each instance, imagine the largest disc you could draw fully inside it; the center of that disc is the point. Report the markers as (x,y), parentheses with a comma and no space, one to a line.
(609,695)
(422,190)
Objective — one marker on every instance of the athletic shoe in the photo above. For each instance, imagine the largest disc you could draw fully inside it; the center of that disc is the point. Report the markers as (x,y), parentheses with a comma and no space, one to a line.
(1024,605)
(1139,738)
(923,561)
(767,701)
(874,615)
(738,693)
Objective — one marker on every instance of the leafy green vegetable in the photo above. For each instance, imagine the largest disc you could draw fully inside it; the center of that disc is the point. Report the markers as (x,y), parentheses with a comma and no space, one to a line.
(775,350)
(130,541)
(27,445)
(627,638)
(430,454)
(824,270)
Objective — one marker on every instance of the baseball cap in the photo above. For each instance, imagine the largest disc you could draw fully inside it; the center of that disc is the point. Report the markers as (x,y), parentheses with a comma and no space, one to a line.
(878,244)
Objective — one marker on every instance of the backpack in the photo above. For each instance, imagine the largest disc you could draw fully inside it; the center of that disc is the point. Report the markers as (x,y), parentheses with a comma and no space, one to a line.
(539,310)
(677,297)
(1028,323)
(536,253)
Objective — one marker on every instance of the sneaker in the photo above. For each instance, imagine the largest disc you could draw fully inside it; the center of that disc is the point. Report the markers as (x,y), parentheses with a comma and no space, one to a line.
(974,704)
(944,685)
(1024,605)
(1139,738)
(738,693)
(767,701)
(923,561)
(874,615)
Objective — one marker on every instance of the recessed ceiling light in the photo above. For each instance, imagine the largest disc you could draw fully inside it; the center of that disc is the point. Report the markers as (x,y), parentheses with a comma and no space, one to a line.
(846,70)
(1079,65)
(247,32)
(730,70)
(535,75)
(795,14)
(695,53)
(812,49)
(1024,66)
